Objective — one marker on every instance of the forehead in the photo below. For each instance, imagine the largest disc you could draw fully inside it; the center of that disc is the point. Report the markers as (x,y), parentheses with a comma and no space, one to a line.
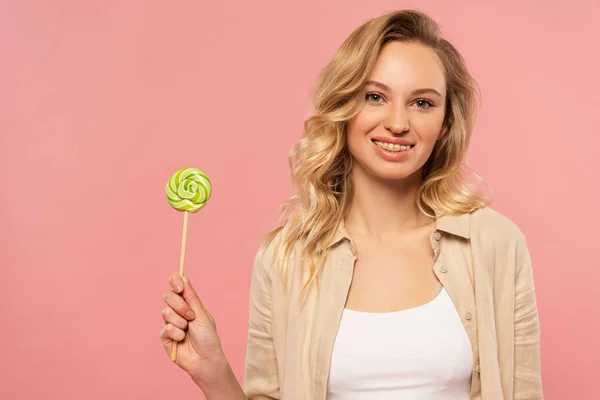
(405,66)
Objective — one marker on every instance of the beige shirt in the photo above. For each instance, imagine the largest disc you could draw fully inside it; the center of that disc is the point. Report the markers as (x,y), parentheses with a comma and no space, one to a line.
(482,260)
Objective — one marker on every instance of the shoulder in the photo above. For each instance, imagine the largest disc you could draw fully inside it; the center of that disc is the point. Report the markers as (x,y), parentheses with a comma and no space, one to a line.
(493,224)
(495,236)
(272,255)
(264,258)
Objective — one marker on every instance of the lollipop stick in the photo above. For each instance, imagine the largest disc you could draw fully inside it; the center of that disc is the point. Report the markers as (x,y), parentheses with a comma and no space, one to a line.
(181,264)
(186,215)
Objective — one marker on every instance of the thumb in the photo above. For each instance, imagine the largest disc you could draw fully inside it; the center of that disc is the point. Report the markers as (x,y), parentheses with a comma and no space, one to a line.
(191,297)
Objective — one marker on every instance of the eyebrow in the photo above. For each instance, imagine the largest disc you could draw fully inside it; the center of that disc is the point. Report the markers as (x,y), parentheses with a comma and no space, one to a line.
(383,86)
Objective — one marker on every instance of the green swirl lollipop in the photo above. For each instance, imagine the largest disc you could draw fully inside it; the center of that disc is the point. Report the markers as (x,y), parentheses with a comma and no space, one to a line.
(188,190)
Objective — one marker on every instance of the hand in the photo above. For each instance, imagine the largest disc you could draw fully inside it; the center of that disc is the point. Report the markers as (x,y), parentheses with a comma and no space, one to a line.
(187,322)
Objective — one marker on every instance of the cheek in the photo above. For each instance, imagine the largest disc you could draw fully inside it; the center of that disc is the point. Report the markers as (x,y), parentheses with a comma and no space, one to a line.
(429,129)
(362,124)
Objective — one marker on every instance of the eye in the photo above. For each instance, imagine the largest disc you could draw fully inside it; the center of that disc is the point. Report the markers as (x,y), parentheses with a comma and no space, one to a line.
(424,103)
(374,97)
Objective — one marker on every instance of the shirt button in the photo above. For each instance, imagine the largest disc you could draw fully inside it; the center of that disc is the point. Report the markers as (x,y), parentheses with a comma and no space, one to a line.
(468,316)
(437,235)
(443,270)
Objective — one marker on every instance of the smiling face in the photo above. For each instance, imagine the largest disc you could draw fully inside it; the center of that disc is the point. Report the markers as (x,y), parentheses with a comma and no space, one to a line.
(393,135)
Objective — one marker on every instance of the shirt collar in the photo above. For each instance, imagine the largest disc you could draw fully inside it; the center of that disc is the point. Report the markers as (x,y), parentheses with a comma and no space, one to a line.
(458,225)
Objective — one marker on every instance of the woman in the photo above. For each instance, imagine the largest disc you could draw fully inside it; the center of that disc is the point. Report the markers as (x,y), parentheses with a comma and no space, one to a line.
(389,276)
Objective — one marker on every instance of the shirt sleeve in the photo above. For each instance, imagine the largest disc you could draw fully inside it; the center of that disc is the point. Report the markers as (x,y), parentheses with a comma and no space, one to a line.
(527,375)
(261,381)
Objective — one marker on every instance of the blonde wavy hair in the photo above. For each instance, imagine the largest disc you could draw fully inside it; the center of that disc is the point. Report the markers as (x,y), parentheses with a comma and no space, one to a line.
(320,162)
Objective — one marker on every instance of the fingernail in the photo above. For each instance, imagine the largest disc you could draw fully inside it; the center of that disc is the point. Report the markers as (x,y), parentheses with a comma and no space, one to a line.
(178,287)
(190,314)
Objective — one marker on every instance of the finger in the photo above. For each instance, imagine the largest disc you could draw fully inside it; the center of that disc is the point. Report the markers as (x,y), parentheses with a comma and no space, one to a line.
(176,283)
(171,317)
(191,297)
(170,333)
(212,320)
(178,304)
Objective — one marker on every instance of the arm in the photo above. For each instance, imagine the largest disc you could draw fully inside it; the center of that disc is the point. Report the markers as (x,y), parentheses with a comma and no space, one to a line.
(261,381)
(226,387)
(527,375)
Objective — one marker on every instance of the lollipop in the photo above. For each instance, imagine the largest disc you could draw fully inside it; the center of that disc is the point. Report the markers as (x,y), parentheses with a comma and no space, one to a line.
(188,190)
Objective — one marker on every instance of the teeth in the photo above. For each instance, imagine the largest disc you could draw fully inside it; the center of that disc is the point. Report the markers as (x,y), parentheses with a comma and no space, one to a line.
(391,147)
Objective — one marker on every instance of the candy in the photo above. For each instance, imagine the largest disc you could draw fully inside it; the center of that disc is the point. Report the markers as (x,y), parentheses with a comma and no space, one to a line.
(188,190)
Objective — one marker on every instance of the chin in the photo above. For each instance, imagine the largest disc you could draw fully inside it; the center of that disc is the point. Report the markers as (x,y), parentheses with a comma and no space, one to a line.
(393,173)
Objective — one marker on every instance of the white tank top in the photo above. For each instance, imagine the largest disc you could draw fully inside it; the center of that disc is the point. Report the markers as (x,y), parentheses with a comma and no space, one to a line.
(417,354)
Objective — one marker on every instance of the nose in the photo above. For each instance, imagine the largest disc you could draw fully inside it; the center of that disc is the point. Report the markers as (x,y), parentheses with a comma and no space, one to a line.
(397,121)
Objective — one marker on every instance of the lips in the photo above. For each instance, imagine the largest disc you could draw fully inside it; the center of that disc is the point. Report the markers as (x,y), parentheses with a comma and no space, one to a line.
(393,148)
(392,152)
(392,140)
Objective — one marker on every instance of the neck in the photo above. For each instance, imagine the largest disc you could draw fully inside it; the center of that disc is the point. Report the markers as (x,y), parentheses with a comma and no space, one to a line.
(383,209)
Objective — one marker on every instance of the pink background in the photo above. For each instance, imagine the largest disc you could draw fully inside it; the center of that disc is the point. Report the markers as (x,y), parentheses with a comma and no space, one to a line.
(100,102)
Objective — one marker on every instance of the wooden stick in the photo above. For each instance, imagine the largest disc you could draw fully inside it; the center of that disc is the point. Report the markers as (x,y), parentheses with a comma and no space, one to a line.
(181,264)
